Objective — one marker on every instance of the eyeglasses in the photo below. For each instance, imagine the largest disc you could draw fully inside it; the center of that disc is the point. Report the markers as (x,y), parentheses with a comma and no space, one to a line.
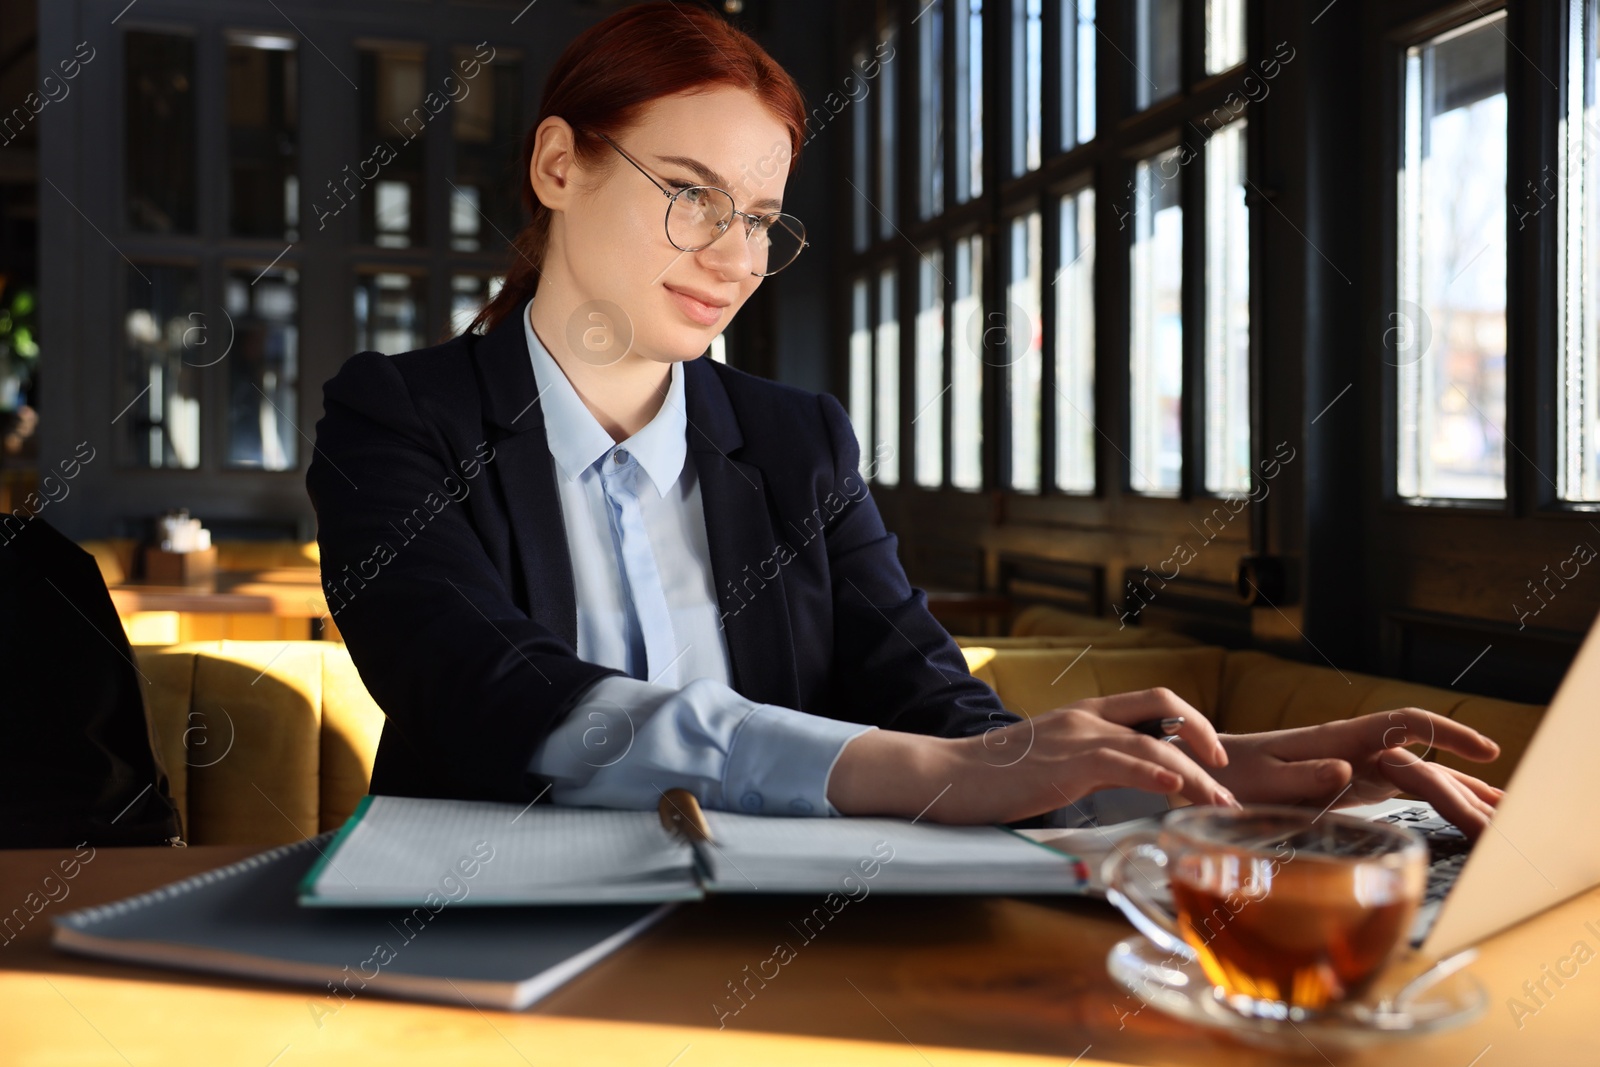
(698,215)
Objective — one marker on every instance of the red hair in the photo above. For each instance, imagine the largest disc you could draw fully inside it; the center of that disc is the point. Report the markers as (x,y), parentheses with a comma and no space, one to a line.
(606,77)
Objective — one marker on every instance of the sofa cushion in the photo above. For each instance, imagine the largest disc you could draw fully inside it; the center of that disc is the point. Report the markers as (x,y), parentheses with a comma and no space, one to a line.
(1032,680)
(271,741)
(1262,692)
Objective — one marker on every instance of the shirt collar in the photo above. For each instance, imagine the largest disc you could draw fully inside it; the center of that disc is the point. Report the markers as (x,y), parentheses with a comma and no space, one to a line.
(577,439)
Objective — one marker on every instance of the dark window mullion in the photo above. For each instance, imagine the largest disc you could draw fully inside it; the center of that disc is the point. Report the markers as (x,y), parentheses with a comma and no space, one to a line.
(1051,83)
(996,246)
(1533,302)
(1192,50)
(437,156)
(211,223)
(877,247)
(1115,98)
(907,70)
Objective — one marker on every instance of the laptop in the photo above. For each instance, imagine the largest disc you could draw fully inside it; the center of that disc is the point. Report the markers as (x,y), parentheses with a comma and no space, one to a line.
(1529,859)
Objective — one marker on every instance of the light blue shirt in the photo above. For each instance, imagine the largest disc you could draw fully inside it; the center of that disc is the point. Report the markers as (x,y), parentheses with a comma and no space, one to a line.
(647,605)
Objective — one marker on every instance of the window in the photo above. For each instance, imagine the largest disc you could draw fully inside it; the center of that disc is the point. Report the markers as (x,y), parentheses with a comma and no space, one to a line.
(1158,25)
(487,129)
(1075,350)
(392,209)
(246,260)
(468,294)
(1224,34)
(1578,405)
(887,132)
(263,137)
(263,368)
(1227,339)
(1156,334)
(164,347)
(1077,72)
(1027,84)
(930,82)
(861,369)
(966,366)
(1015,345)
(969,99)
(1447,333)
(928,422)
(886,424)
(159,116)
(388,312)
(1024,350)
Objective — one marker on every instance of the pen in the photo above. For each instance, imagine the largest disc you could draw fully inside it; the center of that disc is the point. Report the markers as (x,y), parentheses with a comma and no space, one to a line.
(680,813)
(1160,729)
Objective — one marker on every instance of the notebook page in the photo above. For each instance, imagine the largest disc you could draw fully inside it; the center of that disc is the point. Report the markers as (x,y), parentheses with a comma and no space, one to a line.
(750,850)
(404,847)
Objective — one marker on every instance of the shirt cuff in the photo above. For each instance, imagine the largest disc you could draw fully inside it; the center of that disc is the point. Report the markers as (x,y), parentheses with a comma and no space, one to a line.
(626,740)
(780,761)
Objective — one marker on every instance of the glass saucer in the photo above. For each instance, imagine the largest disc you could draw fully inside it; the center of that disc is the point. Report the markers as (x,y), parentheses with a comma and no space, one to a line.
(1178,987)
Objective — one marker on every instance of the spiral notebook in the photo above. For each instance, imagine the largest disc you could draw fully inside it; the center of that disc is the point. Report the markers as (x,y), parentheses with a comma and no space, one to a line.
(399,850)
(243,920)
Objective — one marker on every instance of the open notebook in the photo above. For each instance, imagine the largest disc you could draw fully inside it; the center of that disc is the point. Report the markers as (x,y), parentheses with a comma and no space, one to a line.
(399,850)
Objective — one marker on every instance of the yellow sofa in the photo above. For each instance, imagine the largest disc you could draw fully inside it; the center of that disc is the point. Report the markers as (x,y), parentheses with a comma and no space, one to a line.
(264,742)
(268,742)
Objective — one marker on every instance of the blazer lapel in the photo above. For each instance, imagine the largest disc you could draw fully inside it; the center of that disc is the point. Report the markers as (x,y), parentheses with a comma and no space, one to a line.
(527,477)
(754,610)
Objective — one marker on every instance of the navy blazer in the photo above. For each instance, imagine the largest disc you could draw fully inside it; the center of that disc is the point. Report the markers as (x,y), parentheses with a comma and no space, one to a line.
(445,563)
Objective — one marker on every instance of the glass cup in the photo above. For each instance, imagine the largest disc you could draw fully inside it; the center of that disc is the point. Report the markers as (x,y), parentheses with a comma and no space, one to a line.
(1287,911)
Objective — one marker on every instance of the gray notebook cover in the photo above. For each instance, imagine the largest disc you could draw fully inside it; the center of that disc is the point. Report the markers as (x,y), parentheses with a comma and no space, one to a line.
(243,920)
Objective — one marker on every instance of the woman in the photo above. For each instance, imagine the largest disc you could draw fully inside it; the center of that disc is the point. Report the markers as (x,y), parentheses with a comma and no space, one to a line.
(574,561)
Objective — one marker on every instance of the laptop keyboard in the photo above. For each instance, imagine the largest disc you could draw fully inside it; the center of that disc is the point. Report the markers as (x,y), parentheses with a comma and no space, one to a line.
(1448,848)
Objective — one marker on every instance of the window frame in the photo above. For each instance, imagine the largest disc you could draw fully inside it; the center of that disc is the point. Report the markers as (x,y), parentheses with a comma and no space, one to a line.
(1104,163)
(1395,45)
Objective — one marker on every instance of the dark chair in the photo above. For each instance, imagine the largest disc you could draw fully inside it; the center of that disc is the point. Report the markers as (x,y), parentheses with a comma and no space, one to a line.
(77,763)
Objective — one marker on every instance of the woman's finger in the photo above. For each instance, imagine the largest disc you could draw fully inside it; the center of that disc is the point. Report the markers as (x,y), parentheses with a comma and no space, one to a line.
(1129,709)
(1301,781)
(1451,799)
(1198,785)
(1490,795)
(1366,735)
(1110,769)
(1414,726)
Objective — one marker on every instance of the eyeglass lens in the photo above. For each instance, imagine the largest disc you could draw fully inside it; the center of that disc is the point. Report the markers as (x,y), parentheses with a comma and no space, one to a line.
(701,214)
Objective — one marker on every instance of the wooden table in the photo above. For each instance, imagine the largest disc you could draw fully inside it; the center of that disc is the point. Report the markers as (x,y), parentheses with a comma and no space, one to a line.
(921,982)
(287,592)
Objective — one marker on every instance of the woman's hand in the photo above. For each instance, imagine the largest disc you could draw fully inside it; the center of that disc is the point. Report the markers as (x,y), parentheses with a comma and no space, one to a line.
(1362,761)
(1025,768)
